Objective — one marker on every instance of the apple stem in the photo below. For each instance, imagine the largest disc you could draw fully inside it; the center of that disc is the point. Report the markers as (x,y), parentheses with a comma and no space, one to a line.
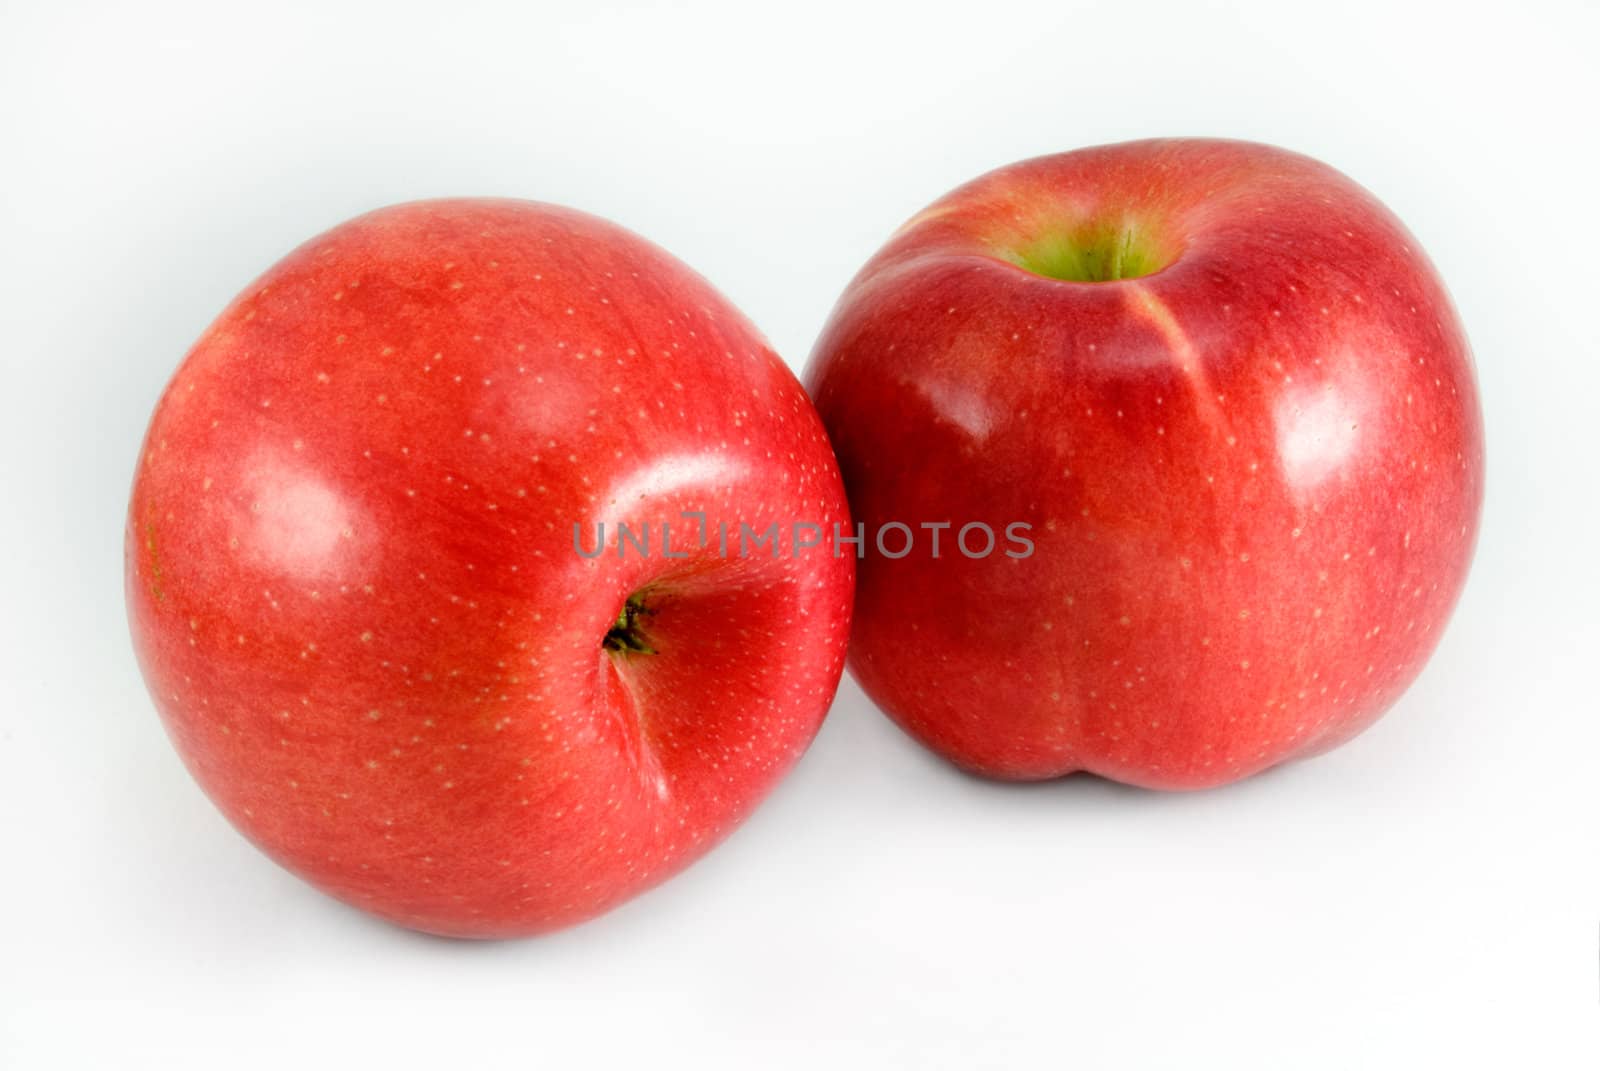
(625,636)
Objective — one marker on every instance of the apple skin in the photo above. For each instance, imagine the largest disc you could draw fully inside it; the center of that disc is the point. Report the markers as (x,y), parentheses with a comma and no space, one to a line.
(354,593)
(1254,475)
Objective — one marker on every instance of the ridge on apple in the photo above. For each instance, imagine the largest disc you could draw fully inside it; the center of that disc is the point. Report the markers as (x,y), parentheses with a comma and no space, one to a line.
(1230,394)
(353,594)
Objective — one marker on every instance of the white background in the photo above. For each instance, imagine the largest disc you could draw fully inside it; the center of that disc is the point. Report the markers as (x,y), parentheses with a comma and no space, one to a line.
(1427,896)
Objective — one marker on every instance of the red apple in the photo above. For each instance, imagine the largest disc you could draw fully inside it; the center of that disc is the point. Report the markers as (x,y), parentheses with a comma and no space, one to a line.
(1229,394)
(357,592)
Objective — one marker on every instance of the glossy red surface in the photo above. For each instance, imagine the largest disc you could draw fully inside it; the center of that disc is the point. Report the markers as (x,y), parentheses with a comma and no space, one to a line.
(353,587)
(1253,476)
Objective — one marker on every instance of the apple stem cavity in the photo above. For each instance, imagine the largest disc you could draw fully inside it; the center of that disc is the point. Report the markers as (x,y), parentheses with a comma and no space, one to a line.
(1092,253)
(626,636)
